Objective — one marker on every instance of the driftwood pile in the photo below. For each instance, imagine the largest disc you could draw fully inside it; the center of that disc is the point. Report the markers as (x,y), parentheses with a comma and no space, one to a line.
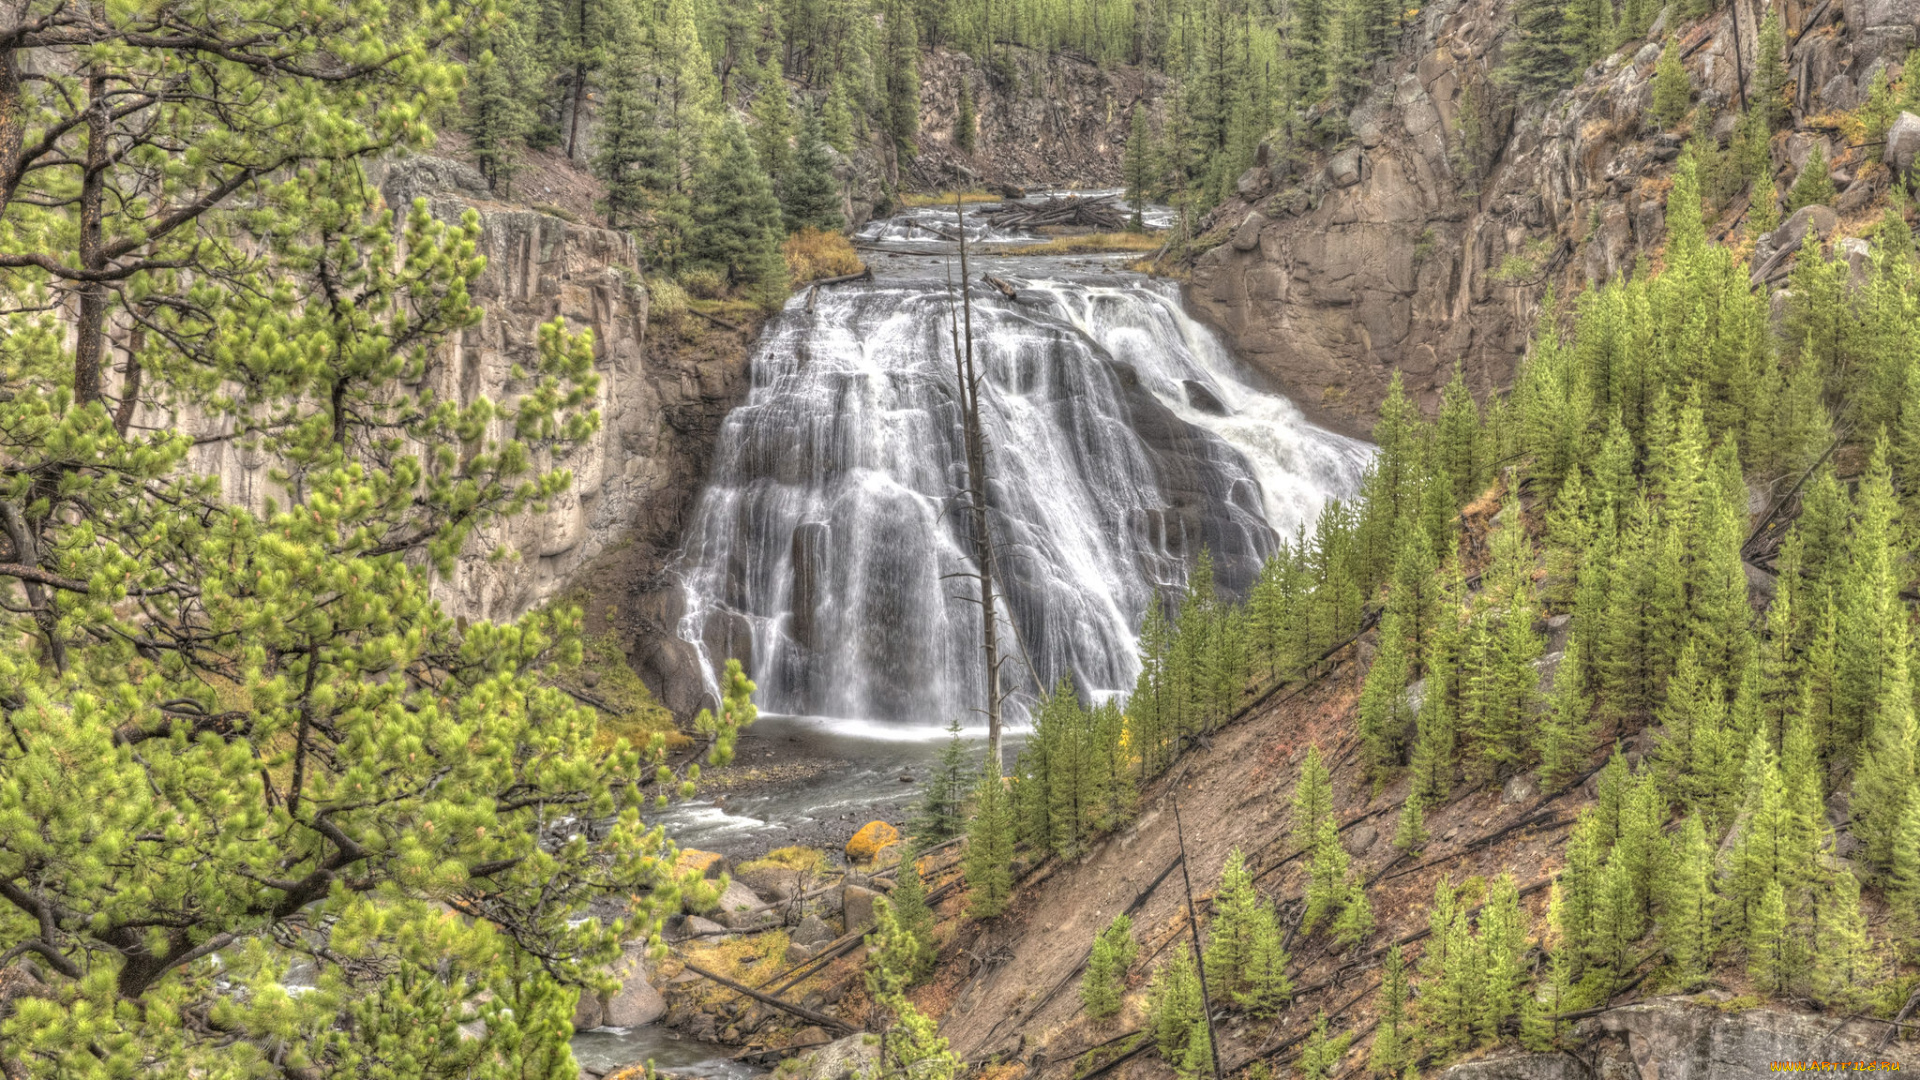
(1092,212)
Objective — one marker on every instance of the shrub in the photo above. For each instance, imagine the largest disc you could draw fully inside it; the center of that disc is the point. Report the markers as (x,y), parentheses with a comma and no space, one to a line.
(704,282)
(813,254)
(666,300)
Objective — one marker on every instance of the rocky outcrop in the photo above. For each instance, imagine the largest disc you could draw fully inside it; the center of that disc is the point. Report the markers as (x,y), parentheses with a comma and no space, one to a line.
(660,406)
(1430,238)
(1041,122)
(1677,1039)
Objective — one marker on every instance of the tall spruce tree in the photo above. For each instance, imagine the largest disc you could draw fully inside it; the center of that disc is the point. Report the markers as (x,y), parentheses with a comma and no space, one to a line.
(988,862)
(1104,985)
(737,227)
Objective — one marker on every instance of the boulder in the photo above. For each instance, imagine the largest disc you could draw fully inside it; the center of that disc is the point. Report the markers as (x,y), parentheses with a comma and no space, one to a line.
(636,1003)
(586,1011)
(1518,788)
(1252,184)
(710,864)
(856,1057)
(856,903)
(872,837)
(812,932)
(1247,236)
(1361,839)
(1818,220)
(742,909)
(695,926)
(773,882)
(1903,142)
(1343,170)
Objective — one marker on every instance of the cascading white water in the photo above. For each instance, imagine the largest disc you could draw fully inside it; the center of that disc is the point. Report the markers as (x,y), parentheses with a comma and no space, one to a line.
(826,549)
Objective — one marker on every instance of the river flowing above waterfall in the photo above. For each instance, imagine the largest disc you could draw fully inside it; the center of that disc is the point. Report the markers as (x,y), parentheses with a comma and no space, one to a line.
(827,550)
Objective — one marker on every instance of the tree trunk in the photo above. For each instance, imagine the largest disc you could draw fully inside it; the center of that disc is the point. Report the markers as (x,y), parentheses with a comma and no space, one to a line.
(90,338)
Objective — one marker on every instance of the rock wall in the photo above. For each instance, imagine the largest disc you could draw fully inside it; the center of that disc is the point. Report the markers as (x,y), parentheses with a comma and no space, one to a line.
(1678,1039)
(1430,238)
(660,408)
(1040,122)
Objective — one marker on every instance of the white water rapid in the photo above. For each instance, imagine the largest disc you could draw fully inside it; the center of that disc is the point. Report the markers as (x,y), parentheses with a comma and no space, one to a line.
(1123,439)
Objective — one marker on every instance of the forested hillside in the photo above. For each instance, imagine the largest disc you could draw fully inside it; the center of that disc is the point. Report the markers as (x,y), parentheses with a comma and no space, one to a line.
(1687,531)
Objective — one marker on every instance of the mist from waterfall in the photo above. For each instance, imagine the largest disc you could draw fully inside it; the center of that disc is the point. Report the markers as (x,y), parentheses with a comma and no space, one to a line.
(828,551)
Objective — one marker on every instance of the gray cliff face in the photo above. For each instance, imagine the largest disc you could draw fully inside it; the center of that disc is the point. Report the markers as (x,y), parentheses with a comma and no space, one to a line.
(660,407)
(1674,1039)
(1047,122)
(1432,236)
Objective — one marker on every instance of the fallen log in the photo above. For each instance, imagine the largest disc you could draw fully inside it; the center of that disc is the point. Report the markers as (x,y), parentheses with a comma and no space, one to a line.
(801,1011)
(865,274)
(1005,288)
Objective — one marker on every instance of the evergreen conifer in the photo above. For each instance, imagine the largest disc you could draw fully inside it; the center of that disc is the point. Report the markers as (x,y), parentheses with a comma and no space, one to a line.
(1813,187)
(737,227)
(988,864)
(809,195)
(1672,89)
(1102,988)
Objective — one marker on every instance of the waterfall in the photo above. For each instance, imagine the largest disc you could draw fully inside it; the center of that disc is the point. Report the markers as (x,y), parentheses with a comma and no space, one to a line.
(827,549)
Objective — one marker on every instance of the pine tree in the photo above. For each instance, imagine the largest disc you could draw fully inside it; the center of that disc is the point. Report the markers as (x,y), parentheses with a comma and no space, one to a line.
(1393,1049)
(1544,53)
(737,228)
(1566,735)
(988,864)
(1385,714)
(1174,1006)
(809,195)
(498,118)
(836,118)
(913,918)
(312,758)
(942,815)
(1684,899)
(901,74)
(1813,187)
(1323,1051)
(772,131)
(1267,988)
(895,954)
(964,121)
(1410,830)
(1672,89)
(1846,967)
(1884,783)
(1903,879)
(1590,31)
(1450,974)
(1768,955)
(1312,800)
(1141,166)
(1769,84)
(1104,985)
(1237,908)
(628,139)
(1458,440)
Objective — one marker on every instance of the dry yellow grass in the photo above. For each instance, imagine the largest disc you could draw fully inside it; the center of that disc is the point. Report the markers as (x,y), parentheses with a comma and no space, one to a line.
(813,254)
(945,198)
(804,859)
(1093,244)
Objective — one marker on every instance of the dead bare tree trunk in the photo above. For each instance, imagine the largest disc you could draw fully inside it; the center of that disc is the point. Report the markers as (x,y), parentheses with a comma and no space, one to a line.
(976,453)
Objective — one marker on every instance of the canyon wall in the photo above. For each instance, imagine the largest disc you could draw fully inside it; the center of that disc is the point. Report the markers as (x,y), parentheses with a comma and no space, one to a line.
(1040,122)
(660,406)
(1430,237)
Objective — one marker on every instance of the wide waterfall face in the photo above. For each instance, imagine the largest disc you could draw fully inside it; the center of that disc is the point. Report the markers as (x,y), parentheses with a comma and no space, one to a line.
(829,550)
